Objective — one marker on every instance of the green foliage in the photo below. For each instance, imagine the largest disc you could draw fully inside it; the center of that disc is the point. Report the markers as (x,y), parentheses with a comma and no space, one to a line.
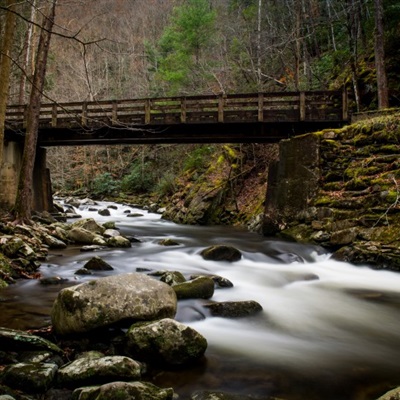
(105,184)
(198,159)
(141,179)
(166,186)
(181,44)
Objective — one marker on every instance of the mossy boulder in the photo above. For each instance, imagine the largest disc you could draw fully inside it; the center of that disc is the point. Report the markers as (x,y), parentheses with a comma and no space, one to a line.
(172,278)
(90,225)
(89,370)
(119,241)
(83,236)
(32,377)
(198,288)
(165,342)
(123,391)
(16,340)
(119,299)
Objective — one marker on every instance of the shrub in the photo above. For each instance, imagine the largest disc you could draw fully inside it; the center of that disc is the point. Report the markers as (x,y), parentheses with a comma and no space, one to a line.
(105,184)
(141,179)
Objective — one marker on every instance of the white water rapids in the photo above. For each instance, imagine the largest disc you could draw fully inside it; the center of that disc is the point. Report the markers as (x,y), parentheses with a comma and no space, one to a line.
(320,317)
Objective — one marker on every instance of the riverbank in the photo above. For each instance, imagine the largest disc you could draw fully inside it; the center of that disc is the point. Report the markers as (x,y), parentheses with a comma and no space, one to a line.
(341,189)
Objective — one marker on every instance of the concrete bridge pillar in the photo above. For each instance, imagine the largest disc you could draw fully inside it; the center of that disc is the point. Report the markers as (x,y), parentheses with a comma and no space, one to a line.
(9,175)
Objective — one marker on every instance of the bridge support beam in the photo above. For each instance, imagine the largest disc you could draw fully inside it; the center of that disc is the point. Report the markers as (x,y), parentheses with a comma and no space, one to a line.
(9,173)
(9,176)
(292,182)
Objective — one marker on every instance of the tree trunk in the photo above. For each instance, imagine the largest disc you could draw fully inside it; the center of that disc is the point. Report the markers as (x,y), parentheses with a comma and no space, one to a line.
(5,67)
(28,46)
(383,92)
(23,202)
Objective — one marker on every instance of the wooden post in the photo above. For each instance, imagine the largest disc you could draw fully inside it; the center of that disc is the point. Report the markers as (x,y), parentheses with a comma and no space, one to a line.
(147,111)
(345,105)
(114,118)
(54,115)
(302,106)
(260,107)
(221,108)
(84,114)
(183,110)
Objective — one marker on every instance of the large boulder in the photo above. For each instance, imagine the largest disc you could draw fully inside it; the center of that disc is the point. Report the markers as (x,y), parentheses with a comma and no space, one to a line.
(123,390)
(165,342)
(114,299)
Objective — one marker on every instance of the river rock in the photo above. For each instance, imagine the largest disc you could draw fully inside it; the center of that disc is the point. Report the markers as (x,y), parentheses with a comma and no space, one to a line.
(97,370)
(219,281)
(110,300)
(90,225)
(83,236)
(166,341)
(97,264)
(210,395)
(172,278)
(108,233)
(221,253)
(391,395)
(234,309)
(123,390)
(83,271)
(105,212)
(199,288)
(14,247)
(168,242)
(109,225)
(11,339)
(32,377)
(53,242)
(118,241)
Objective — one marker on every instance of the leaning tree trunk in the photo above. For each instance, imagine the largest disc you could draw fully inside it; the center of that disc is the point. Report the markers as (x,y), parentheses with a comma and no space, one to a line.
(23,202)
(5,67)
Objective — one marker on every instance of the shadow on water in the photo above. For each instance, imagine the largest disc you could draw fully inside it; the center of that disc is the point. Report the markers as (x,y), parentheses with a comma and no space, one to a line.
(328,330)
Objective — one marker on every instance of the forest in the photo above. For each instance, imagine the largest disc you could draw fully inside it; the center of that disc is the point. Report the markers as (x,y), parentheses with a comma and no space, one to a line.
(92,50)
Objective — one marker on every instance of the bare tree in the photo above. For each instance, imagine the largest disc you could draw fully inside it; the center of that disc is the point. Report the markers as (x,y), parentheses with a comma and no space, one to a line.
(23,203)
(383,92)
(5,67)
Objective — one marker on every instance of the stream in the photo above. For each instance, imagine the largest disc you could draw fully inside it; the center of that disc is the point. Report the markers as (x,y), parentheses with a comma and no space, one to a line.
(328,330)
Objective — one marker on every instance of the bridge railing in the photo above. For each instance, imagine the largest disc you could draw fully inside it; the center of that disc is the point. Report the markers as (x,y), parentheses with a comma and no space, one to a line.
(231,108)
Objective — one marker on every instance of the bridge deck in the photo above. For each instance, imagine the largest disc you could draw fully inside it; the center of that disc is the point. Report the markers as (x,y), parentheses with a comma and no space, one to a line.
(254,117)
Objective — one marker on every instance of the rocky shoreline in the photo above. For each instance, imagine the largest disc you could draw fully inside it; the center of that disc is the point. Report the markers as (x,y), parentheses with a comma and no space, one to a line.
(107,334)
(340,189)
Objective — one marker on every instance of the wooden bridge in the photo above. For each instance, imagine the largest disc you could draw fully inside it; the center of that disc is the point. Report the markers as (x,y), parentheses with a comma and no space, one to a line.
(234,118)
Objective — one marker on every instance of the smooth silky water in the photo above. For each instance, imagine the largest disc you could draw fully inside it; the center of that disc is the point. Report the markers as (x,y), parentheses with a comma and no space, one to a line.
(328,330)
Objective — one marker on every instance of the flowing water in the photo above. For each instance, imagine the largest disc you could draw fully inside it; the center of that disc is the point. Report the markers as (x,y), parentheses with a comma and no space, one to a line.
(328,330)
